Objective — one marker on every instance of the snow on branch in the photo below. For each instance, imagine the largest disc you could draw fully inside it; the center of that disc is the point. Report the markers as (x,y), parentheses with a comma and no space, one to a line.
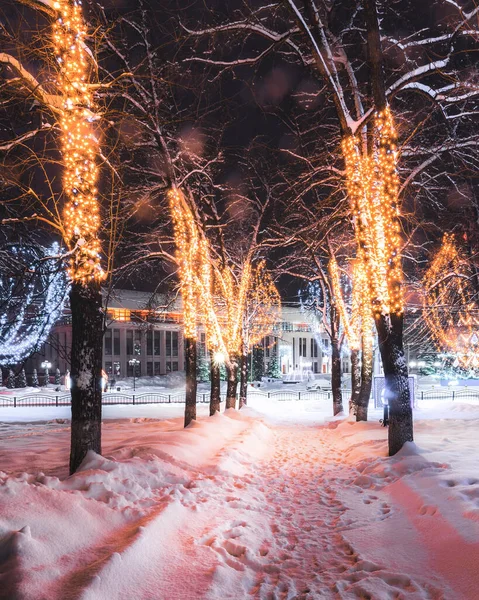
(52,101)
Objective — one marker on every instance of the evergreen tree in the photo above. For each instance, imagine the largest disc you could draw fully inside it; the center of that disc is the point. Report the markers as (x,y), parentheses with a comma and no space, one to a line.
(35,379)
(273,370)
(203,369)
(258,363)
(11,380)
(21,381)
(57,377)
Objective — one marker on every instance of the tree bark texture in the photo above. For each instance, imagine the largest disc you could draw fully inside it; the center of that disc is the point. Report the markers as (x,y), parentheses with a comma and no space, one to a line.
(390,328)
(243,380)
(86,365)
(366,379)
(191,384)
(335,362)
(355,382)
(336,377)
(232,373)
(215,394)
(375,55)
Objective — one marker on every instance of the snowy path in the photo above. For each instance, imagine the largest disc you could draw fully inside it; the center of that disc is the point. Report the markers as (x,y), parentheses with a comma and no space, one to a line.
(239,506)
(289,538)
(276,530)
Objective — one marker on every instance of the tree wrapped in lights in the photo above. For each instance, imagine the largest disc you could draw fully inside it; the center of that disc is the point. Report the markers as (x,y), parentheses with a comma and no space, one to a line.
(66,103)
(81,224)
(79,144)
(450,304)
(236,308)
(358,324)
(350,321)
(372,183)
(192,265)
(32,295)
(260,315)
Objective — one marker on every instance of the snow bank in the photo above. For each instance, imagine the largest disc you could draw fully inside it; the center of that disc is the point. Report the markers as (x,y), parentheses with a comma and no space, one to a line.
(277,500)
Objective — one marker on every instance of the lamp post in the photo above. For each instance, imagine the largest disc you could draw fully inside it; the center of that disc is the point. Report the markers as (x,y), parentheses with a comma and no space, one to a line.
(134,362)
(46,365)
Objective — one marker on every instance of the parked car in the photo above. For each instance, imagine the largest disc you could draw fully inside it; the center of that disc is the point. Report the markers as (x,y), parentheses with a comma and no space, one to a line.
(319,384)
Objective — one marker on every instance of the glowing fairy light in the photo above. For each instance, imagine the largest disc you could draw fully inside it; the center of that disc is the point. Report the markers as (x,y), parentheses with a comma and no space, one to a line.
(372,183)
(263,306)
(188,257)
(357,322)
(216,296)
(450,310)
(351,321)
(79,145)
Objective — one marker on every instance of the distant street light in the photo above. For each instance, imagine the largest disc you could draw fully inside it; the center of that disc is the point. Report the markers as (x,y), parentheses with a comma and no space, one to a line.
(134,362)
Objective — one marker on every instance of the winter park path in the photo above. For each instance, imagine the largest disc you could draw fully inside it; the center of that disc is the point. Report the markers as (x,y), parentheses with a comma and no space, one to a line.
(275,512)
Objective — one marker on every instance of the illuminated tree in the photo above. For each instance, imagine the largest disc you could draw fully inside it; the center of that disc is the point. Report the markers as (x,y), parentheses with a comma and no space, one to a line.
(193,262)
(396,80)
(67,103)
(450,305)
(357,323)
(261,314)
(33,289)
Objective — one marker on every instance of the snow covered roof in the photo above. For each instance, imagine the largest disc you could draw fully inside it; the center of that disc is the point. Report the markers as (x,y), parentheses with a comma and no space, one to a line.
(135,300)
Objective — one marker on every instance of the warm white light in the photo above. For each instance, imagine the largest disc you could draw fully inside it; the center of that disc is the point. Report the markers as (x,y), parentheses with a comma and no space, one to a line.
(79,144)
(219,358)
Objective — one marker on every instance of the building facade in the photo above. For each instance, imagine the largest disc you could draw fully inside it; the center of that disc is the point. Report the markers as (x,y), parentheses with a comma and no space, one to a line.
(145,333)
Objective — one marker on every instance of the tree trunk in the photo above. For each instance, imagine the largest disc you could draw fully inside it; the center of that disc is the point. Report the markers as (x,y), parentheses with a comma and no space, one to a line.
(389,330)
(389,327)
(215,397)
(335,361)
(232,371)
(190,399)
(375,55)
(366,379)
(355,382)
(86,365)
(243,380)
(336,377)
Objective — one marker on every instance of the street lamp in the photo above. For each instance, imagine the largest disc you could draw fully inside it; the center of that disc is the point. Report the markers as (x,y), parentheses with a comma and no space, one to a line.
(47,366)
(134,362)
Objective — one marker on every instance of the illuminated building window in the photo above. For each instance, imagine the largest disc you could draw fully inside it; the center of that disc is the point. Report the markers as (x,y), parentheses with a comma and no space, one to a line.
(119,314)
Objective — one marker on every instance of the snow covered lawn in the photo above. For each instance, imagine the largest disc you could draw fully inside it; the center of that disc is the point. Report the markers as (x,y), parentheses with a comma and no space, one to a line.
(275,501)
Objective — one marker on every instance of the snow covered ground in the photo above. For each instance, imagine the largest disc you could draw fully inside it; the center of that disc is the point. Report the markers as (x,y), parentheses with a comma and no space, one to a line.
(275,501)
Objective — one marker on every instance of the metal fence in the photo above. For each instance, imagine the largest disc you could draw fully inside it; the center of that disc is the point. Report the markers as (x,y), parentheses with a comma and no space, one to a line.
(449,394)
(115,398)
(154,398)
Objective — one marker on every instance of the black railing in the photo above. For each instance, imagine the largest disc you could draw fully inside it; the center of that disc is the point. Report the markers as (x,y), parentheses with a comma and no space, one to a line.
(32,400)
(450,394)
(155,398)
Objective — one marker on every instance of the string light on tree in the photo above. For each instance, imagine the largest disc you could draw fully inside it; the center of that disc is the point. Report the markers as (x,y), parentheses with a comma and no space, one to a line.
(213,294)
(372,183)
(79,145)
(450,308)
